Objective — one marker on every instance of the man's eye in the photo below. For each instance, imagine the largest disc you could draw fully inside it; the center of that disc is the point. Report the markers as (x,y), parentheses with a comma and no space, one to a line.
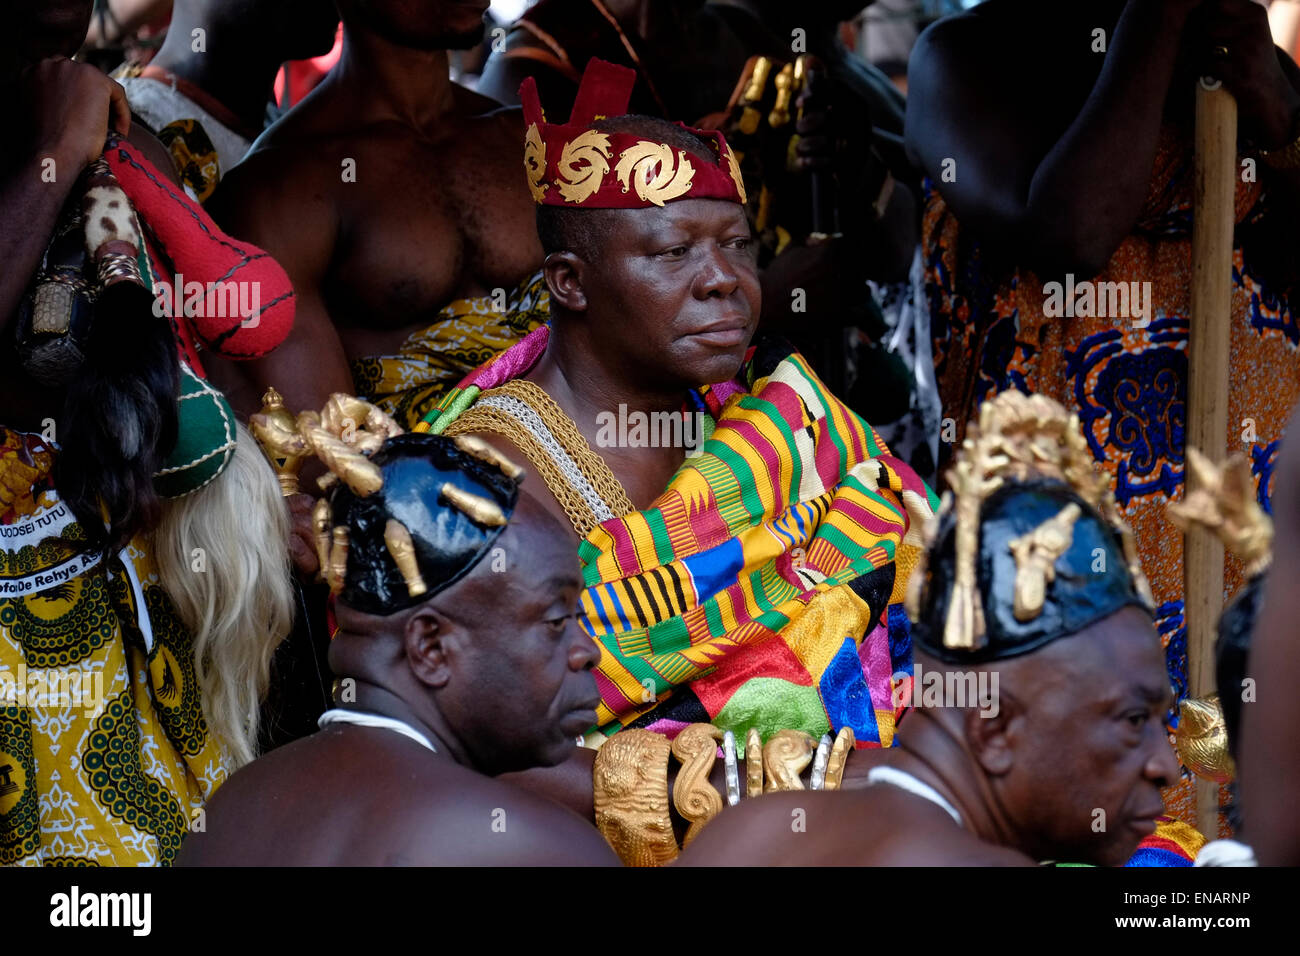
(1137,718)
(741,242)
(673,252)
(557,624)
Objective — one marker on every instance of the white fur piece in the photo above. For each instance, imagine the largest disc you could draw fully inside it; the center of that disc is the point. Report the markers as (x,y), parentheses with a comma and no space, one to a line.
(97,208)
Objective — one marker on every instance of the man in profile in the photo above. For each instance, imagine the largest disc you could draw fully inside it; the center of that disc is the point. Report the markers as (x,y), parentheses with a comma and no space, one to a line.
(448,582)
(1030,574)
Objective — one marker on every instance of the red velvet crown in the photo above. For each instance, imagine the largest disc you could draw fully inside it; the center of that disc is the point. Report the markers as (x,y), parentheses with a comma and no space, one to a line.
(576,166)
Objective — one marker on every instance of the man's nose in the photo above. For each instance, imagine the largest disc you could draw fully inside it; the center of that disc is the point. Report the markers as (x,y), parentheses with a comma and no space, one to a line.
(717,276)
(1161,766)
(584,653)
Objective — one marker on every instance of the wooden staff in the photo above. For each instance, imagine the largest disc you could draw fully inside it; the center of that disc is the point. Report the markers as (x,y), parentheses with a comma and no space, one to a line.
(1213,216)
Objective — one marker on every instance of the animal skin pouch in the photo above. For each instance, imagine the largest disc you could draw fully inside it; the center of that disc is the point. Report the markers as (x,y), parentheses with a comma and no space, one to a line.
(92,267)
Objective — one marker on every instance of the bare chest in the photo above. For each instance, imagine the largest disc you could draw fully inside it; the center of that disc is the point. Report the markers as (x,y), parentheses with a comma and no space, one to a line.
(422,227)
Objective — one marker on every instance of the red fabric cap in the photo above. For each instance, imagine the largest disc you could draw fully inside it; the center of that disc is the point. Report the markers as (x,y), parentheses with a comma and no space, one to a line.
(183,241)
(574,165)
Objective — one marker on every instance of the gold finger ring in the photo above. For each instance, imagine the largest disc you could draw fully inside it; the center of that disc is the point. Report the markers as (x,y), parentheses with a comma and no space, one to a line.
(1220,51)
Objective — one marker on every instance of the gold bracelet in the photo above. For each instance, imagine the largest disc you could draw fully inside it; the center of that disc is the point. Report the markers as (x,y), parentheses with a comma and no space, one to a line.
(630,782)
(697,800)
(630,786)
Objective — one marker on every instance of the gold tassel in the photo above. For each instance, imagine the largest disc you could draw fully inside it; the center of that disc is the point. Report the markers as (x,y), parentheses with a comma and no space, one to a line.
(473,445)
(477,508)
(321,519)
(402,549)
(338,564)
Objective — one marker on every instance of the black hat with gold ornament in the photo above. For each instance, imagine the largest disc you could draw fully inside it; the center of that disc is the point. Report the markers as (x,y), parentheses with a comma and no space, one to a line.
(1028,545)
(407,515)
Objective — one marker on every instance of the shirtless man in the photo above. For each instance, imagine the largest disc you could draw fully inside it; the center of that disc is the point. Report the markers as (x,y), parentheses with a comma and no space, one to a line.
(401,772)
(386,194)
(1063,752)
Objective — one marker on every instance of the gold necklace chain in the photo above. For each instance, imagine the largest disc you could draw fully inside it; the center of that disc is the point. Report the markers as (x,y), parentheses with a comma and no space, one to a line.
(556,451)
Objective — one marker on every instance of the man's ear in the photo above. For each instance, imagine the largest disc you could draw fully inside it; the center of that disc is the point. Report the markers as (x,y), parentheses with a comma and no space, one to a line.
(429,641)
(564,277)
(992,733)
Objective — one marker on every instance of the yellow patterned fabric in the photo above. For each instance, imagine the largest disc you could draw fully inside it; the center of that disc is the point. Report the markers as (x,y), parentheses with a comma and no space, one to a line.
(467,333)
(105,757)
(194,155)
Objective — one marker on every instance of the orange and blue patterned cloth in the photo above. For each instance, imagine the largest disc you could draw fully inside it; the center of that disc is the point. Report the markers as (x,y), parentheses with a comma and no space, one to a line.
(753,591)
(1128,381)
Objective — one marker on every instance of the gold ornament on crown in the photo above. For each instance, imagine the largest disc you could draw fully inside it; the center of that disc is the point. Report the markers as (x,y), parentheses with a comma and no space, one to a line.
(733,167)
(577,184)
(650,169)
(478,448)
(535,162)
(341,435)
(1017,437)
(402,549)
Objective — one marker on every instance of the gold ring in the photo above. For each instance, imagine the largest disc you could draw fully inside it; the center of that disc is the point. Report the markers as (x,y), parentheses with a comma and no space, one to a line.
(1220,51)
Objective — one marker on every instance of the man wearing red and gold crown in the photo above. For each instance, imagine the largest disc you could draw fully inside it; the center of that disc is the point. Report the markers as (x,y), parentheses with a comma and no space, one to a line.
(744,536)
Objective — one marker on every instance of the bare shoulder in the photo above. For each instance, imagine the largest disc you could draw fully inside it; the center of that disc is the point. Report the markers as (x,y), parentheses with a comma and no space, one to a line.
(492,823)
(297,156)
(982,35)
(382,800)
(953,36)
(495,124)
(868,827)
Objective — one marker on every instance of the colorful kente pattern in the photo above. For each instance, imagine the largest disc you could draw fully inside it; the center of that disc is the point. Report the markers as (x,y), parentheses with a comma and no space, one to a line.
(1127,382)
(1173,844)
(110,768)
(751,593)
(466,334)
